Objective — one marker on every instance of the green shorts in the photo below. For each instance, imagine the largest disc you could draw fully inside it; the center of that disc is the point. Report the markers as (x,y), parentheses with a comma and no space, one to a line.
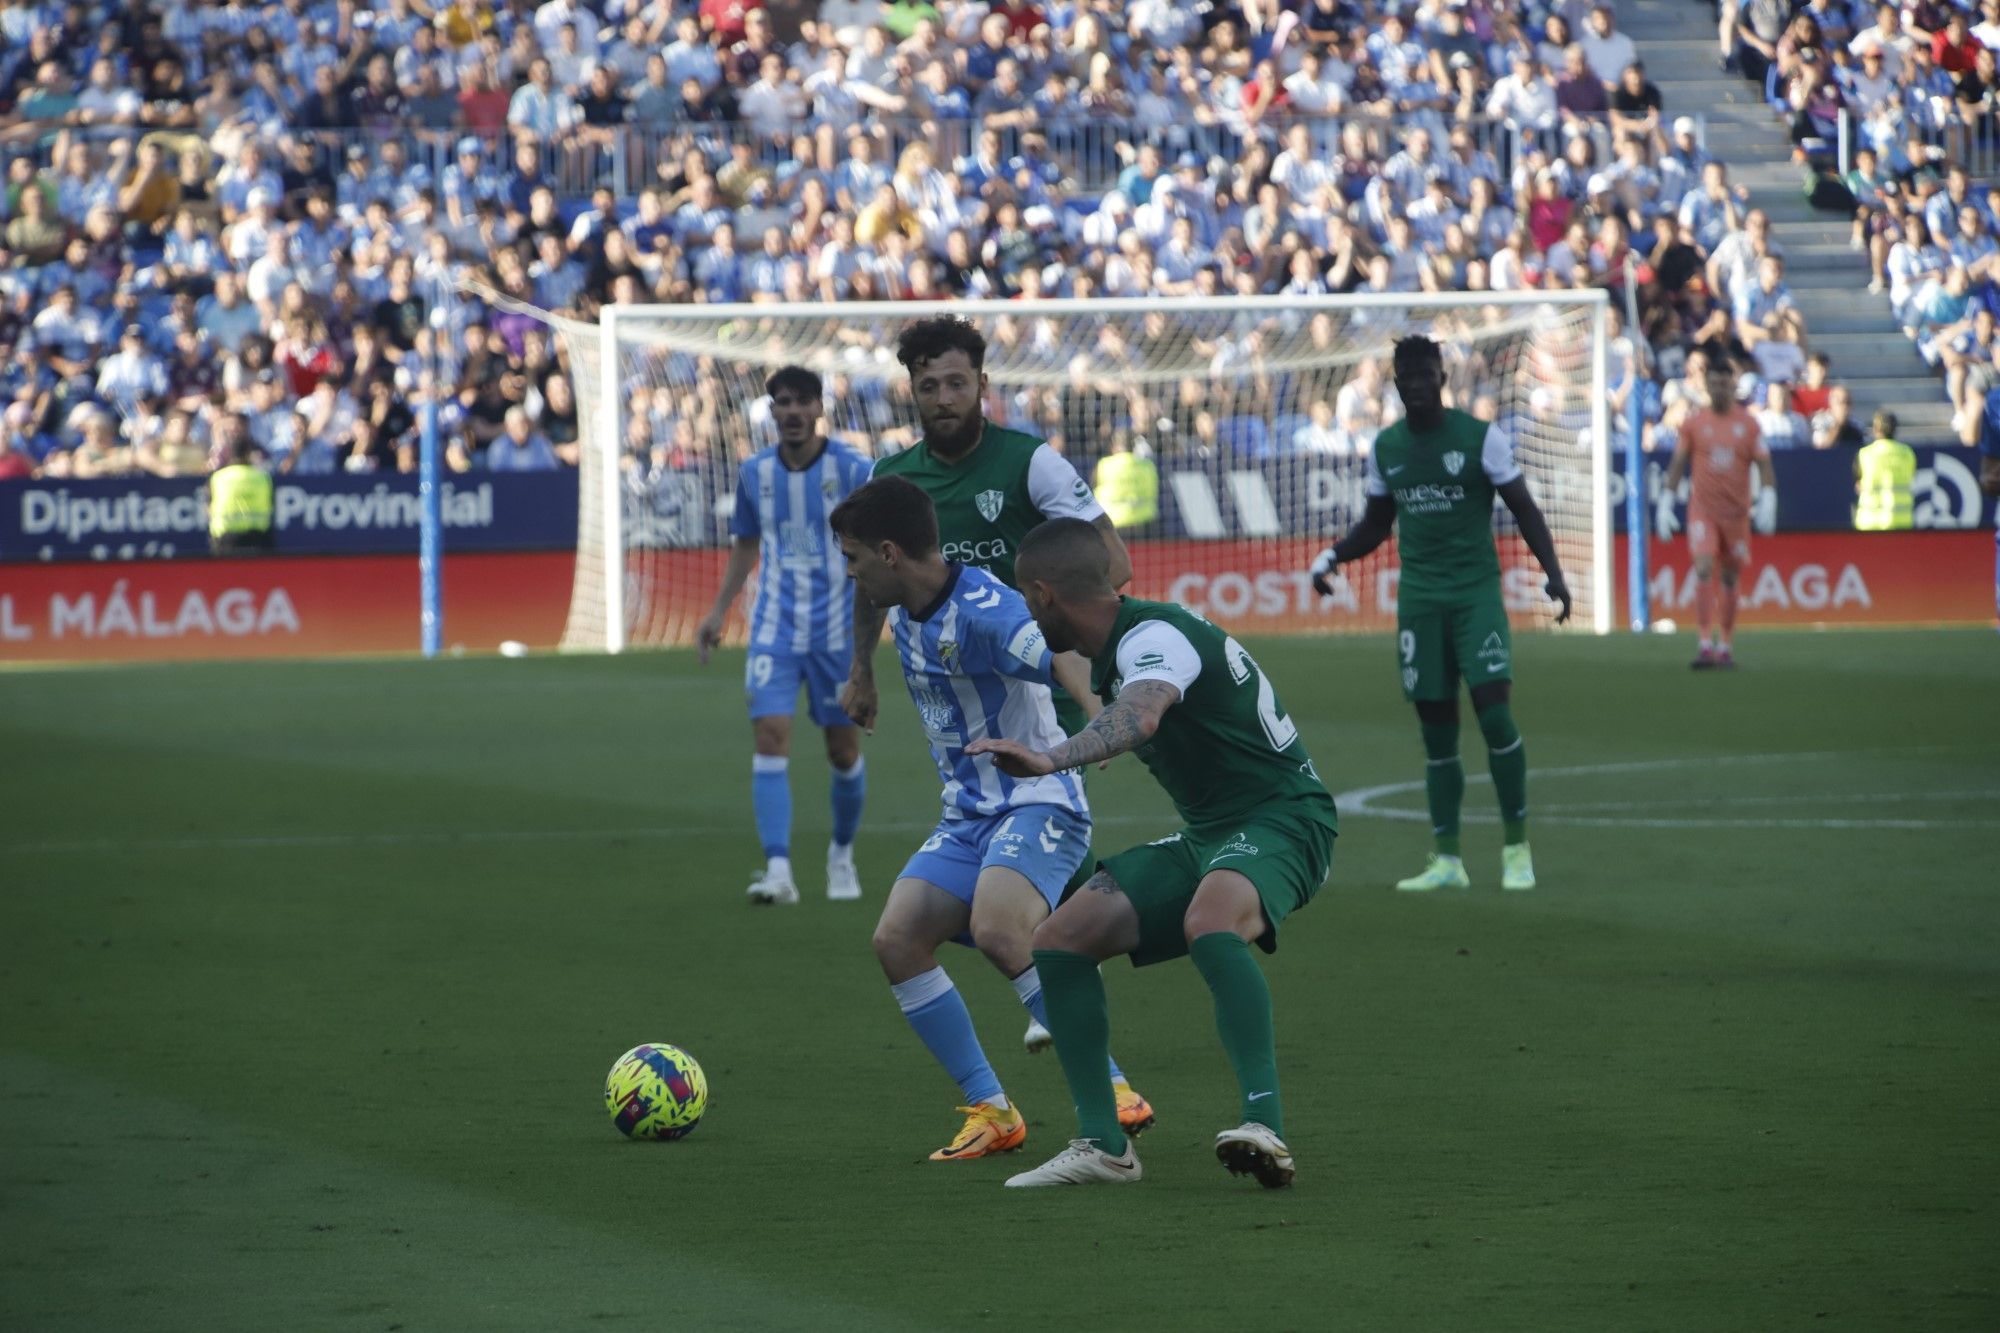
(1285,850)
(1437,645)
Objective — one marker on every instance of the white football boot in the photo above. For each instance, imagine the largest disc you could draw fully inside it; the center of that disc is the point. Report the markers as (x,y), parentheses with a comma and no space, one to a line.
(843,882)
(1252,1149)
(1082,1163)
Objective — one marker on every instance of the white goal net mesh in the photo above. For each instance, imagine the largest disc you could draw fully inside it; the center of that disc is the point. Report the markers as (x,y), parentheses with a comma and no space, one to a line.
(1228,440)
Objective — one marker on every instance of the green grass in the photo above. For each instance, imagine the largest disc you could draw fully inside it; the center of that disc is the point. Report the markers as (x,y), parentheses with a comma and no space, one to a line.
(310,976)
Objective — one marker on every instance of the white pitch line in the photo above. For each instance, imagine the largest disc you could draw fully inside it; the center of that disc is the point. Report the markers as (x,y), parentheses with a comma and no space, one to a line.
(1362,801)
(1853,798)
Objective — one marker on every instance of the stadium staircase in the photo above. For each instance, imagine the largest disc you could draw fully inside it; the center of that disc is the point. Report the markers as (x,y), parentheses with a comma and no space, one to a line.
(1829,279)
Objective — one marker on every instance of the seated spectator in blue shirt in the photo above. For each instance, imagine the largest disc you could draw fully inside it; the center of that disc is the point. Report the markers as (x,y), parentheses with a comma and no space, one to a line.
(519,447)
(718,270)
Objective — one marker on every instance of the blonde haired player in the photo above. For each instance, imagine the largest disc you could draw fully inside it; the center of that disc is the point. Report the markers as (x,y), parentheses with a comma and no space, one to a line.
(1718,447)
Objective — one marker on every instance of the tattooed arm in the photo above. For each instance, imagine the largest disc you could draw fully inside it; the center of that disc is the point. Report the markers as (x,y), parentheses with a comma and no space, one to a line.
(1124,725)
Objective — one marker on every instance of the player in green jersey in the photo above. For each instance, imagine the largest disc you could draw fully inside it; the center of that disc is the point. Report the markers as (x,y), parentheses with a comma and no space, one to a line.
(1257,841)
(1433,476)
(990,486)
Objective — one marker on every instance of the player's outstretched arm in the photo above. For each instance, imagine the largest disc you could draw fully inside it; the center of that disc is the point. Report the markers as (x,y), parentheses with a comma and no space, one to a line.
(1124,725)
(1378,520)
(858,699)
(742,559)
(1535,532)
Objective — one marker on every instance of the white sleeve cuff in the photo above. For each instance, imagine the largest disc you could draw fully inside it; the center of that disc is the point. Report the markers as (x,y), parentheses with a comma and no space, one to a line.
(1155,650)
(1057,490)
(1497,457)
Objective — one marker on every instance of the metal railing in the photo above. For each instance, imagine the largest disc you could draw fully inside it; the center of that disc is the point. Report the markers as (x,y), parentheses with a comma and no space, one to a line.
(1092,151)
(1971,140)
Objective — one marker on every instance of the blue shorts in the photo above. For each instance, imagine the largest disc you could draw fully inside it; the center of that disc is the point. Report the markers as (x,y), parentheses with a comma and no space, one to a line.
(1044,843)
(771,683)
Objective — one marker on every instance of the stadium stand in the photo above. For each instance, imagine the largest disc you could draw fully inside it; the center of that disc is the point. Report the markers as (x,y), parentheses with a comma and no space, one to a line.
(245,217)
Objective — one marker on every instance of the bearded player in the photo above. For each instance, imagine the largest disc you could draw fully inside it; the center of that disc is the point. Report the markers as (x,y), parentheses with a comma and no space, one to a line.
(1432,478)
(1718,447)
(991,486)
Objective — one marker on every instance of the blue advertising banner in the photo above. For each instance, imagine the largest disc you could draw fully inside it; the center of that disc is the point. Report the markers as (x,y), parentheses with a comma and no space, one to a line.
(1298,495)
(151,518)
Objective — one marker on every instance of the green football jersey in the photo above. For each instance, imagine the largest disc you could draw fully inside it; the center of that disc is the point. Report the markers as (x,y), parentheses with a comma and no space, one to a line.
(1227,748)
(1443,482)
(990,499)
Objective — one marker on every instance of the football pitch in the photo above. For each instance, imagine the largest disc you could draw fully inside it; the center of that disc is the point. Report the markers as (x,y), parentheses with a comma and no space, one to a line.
(310,976)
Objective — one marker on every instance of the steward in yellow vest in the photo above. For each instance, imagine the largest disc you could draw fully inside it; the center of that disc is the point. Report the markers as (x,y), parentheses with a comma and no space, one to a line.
(1885,475)
(239,504)
(1128,486)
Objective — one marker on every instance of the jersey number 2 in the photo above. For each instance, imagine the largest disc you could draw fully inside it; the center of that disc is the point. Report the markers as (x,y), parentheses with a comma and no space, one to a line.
(1278,729)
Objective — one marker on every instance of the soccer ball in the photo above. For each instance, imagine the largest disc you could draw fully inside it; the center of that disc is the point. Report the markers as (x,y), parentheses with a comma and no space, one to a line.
(656,1091)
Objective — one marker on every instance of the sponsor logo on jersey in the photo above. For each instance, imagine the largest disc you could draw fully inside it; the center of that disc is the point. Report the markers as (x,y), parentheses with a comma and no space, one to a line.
(1238,845)
(1080,490)
(1453,461)
(1027,645)
(989,503)
(976,553)
(799,544)
(1428,499)
(1150,662)
(939,713)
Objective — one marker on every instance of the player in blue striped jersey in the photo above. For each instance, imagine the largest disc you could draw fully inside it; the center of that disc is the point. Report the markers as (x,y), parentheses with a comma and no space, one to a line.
(996,863)
(800,626)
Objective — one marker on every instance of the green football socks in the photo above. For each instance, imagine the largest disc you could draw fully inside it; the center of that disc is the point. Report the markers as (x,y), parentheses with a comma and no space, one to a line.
(1508,759)
(1080,1020)
(1243,1018)
(1444,783)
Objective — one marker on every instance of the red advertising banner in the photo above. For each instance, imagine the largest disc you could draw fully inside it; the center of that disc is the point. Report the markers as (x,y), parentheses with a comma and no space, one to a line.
(315,607)
(1839,578)
(274,607)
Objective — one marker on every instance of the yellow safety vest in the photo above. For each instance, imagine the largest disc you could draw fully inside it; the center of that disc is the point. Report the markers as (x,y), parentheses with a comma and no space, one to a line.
(1128,487)
(1888,471)
(239,500)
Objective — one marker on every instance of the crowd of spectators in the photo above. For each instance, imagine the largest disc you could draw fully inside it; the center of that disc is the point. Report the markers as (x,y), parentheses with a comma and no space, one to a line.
(1917,86)
(243,218)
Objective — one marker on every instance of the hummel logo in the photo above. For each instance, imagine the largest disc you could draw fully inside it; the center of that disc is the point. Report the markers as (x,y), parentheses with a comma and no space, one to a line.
(1050,836)
(985,599)
(1257,1096)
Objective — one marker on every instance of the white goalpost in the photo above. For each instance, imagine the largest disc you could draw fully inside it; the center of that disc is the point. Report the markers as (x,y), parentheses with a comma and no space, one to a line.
(1245,424)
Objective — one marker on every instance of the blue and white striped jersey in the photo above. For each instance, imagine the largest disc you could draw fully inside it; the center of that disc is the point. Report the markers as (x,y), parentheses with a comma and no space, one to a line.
(977,665)
(802,603)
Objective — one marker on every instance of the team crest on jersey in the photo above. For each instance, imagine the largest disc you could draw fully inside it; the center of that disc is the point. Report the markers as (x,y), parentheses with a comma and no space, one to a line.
(1453,461)
(989,503)
(947,654)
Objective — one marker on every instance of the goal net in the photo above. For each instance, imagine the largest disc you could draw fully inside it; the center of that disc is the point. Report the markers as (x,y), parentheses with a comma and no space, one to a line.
(1228,439)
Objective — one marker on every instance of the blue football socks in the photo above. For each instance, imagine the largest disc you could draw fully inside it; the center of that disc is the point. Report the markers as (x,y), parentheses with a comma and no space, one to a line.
(938,1014)
(771,798)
